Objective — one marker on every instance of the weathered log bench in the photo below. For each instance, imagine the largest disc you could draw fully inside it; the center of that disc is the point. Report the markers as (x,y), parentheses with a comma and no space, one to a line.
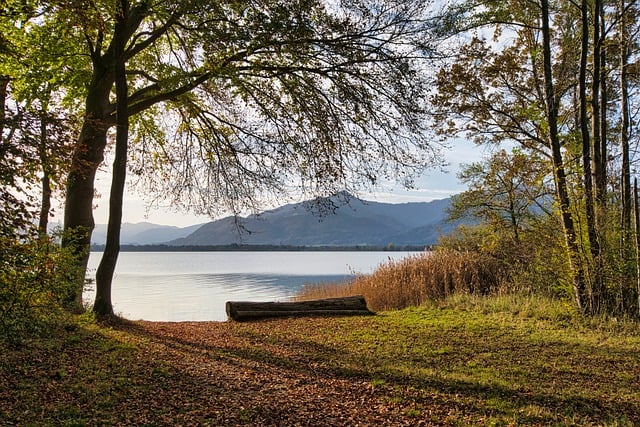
(345,306)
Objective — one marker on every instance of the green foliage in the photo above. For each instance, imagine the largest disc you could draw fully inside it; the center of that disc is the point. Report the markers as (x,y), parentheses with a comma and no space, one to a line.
(234,103)
(546,89)
(270,94)
(35,130)
(17,158)
(535,263)
(35,144)
(35,279)
(508,191)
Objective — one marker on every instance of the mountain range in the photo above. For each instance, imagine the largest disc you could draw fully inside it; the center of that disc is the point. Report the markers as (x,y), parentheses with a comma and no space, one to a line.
(341,220)
(143,233)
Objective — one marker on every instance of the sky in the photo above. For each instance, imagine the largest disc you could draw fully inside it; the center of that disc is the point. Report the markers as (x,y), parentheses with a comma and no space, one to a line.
(433,185)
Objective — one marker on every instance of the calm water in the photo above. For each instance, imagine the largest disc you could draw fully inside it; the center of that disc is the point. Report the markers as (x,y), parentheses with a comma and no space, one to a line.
(176,286)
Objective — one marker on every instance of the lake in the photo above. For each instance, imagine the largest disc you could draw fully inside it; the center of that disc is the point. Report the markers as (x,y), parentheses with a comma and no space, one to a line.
(181,286)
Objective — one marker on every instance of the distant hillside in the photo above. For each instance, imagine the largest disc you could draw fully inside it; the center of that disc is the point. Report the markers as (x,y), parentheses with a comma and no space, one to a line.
(143,233)
(330,222)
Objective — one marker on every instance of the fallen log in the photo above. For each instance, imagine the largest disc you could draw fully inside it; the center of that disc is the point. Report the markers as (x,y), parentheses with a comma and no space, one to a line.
(344,306)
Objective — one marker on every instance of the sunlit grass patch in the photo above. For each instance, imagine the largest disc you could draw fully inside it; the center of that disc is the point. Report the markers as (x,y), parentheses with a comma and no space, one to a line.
(482,348)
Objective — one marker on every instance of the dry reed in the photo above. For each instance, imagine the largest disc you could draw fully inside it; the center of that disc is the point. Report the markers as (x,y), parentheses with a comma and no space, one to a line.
(418,278)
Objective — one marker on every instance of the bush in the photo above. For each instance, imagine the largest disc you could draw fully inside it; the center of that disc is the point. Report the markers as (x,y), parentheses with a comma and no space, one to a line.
(473,260)
(535,263)
(35,277)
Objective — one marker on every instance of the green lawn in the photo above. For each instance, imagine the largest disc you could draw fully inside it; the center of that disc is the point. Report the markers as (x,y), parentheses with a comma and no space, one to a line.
(497,361)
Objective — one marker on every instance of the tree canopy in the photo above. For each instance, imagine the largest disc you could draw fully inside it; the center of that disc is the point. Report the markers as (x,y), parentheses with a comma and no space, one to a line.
(233,102)
(35,128)
(507,191)
(219,107)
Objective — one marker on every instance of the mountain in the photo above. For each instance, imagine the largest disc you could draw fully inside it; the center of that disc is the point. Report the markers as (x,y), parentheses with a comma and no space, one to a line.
(143,233)
(342,220)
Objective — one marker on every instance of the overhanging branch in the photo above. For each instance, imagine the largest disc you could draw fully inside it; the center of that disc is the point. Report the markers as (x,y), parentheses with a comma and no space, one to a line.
(141,106)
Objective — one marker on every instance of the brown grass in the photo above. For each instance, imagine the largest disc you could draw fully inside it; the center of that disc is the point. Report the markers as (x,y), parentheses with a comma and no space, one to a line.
(419,278)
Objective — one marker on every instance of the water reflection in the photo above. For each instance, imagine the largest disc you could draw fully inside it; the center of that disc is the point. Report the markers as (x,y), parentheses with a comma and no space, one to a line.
(181,297)
(180,286)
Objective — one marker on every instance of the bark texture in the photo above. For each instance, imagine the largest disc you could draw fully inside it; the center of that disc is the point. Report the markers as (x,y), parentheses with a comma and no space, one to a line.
(345,306)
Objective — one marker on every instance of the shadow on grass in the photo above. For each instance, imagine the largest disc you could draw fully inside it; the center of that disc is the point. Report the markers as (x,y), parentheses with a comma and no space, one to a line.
(301,361)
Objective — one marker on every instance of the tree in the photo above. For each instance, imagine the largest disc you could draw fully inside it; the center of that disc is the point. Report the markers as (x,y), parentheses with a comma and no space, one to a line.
(544,83)
(17,209)
(35,127)
(552,100)
(521,92)
(255,97)
(32,150)
(508,190)
(624,54)
(104,274)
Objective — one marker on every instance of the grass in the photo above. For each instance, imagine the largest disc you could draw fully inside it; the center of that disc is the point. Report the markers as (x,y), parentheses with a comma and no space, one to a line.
(463,360)
(414,280)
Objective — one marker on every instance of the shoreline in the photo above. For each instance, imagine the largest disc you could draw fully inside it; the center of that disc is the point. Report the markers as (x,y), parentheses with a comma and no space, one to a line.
(266,248)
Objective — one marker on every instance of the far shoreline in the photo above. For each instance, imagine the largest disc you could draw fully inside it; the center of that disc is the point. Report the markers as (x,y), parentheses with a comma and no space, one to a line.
(266,248)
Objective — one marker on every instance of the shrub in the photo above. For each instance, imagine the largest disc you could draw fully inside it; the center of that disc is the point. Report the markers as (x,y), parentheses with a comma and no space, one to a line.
(473,260)
(535,263)
(35,277)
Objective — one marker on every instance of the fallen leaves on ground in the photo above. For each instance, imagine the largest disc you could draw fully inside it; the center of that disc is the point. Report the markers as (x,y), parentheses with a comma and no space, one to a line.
(290,372)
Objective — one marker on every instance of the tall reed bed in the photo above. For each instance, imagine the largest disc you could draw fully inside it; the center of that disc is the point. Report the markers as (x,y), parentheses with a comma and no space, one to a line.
(418,278)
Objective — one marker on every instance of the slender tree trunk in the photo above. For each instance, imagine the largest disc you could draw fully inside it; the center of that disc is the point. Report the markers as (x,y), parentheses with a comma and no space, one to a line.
(513,216)
(636,216)
(601,182)
(625,178)
(4,85)
(625,117)
(558,164)
(595,100)
(602,178)
(587,148)
(45,205)
(104,276)
(603,169)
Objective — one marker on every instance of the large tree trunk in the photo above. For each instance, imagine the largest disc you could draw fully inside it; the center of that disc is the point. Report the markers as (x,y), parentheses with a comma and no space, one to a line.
(558,165)
(104,276)
(87,156)
(89,150)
